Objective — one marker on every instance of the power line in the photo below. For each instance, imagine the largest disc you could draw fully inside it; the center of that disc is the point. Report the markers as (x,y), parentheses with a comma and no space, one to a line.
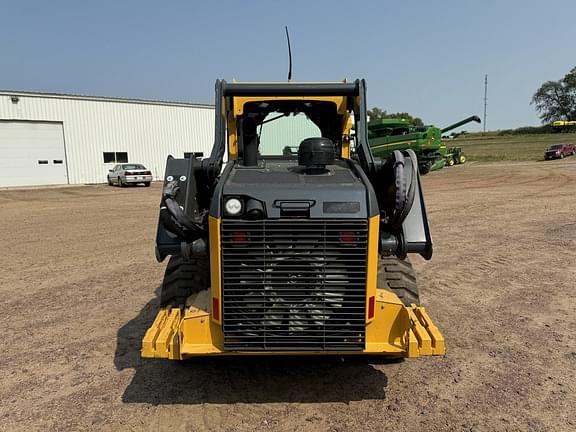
(485,98)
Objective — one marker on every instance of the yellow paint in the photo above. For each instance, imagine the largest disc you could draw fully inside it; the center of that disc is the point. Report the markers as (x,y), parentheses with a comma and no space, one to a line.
(215,264)
(422,336)
(345,147)
(437,342)
(162,338)
(412,345)
(387,332)
(347,129)
(372,259)
(200,334)
(232,138)
(149,340)
(240,101)
(396,330)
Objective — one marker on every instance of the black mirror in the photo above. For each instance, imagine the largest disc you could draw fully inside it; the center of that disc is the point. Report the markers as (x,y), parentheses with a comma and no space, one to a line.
(110,170)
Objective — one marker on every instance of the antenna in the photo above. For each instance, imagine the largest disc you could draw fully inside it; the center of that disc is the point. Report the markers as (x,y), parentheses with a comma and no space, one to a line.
(289,55)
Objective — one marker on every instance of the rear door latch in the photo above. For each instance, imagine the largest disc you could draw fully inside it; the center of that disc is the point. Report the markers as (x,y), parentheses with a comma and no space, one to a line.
(294,208)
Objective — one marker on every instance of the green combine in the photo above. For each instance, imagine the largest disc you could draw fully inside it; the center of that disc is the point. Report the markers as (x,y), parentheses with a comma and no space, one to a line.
(387,135)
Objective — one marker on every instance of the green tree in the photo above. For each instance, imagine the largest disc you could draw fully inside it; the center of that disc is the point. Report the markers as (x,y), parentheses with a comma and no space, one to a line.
(556,100)
(378,114)
(570,79)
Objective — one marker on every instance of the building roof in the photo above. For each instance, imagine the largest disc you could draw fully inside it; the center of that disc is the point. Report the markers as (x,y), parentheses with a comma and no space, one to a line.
(102,98)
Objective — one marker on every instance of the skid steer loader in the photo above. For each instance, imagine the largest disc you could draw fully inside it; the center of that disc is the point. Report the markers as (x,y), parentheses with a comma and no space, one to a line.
(303,252)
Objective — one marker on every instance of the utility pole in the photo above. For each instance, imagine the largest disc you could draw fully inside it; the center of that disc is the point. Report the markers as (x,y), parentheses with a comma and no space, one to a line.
(485,98)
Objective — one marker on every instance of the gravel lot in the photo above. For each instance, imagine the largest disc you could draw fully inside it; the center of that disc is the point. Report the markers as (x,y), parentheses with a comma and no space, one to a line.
(79,287)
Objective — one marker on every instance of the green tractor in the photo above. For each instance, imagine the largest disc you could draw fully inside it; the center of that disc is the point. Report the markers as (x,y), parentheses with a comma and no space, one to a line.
(455,156)
(388,135)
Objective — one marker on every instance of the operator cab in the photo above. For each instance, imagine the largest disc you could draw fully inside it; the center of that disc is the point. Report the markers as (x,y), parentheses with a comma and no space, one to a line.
(275,129)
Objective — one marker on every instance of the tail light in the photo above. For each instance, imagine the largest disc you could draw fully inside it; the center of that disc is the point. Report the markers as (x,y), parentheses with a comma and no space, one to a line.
(147,173)
(239,238)
(349,238)
(371,307)
(215,309)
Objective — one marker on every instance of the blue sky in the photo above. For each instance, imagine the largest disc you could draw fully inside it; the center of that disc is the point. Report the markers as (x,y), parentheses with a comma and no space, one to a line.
(425,57)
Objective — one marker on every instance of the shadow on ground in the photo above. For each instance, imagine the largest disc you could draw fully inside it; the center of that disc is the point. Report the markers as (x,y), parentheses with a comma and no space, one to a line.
(227,380)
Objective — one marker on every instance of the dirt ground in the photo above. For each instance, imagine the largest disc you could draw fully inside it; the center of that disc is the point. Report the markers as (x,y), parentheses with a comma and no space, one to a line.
(79,288)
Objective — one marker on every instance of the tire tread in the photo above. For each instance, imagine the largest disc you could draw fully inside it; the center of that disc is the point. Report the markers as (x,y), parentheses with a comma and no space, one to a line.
(183,278)
(399,277)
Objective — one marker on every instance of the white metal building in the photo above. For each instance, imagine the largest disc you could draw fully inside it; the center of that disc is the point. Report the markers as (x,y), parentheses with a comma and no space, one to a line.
(59,139)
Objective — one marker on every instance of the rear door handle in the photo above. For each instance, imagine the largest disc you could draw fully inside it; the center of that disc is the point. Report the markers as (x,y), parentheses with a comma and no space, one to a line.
(294,208)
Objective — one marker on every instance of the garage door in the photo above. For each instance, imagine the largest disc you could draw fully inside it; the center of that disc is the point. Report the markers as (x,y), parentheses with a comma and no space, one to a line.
(32,154)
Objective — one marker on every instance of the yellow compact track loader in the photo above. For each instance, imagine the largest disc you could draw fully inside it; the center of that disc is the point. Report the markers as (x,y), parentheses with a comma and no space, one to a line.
(279,252)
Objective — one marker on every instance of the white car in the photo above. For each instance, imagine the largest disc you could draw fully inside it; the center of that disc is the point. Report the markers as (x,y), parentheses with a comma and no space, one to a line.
(124,174)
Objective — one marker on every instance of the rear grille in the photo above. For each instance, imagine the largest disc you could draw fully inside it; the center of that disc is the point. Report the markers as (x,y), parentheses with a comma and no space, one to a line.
(294,285)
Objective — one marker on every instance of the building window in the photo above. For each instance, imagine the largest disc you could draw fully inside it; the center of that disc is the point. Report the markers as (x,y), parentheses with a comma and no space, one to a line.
(115,157)
(109,157)
(57,161)
(42,162)
(188,155)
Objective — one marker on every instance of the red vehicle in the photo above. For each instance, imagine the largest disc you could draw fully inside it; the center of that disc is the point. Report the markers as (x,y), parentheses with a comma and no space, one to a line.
(559,151)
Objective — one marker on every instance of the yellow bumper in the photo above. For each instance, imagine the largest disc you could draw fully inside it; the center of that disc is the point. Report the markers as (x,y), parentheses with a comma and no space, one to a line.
(396,330)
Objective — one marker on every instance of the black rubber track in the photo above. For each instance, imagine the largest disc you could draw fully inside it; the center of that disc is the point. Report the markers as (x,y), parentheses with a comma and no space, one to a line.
(183,278)
(399,276)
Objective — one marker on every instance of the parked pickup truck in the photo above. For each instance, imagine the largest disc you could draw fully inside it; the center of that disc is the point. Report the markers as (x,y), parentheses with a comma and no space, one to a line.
(559,151)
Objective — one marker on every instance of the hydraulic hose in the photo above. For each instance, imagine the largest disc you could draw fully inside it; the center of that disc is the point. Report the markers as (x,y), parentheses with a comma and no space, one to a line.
(176,220)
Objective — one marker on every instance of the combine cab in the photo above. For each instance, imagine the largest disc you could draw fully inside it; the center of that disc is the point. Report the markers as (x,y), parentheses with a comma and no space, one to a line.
(291,247)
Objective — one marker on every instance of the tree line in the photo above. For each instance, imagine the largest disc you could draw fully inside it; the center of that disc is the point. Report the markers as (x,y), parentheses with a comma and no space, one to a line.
(556,100)
(378,114)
